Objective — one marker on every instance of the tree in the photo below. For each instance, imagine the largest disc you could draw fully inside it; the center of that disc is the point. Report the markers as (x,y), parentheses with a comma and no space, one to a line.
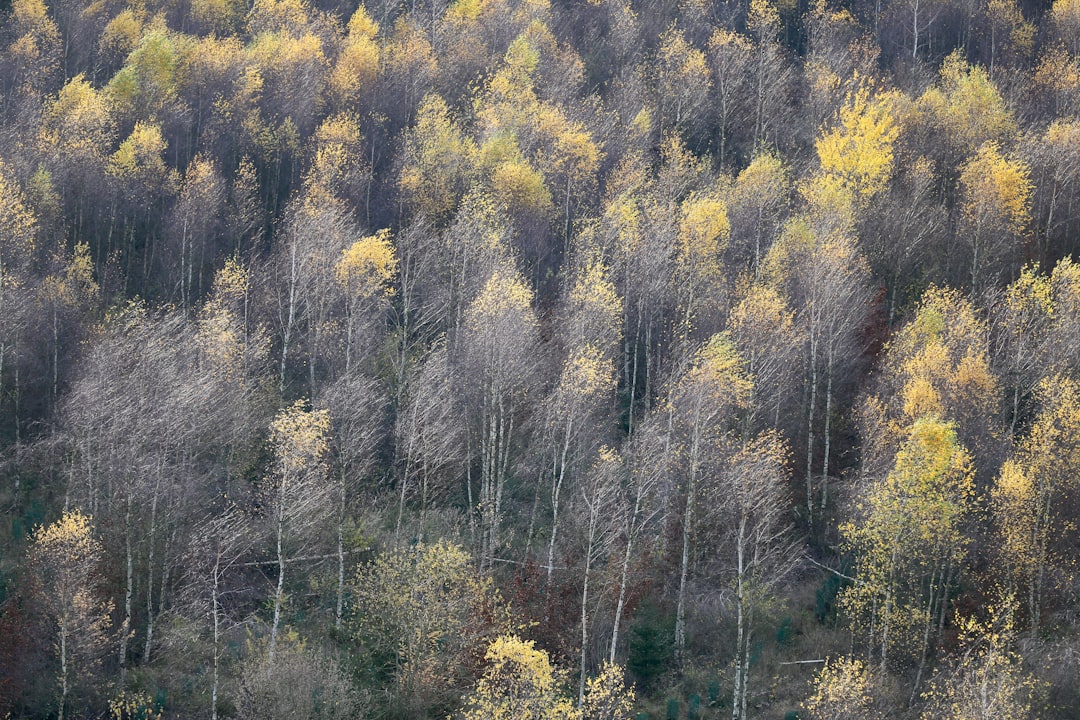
(703,234)
(967,107)
(424,614)
(700,408)
(298,683)
(996,210)
(910,544)
(497,354)
(365,273)
(600,499)
(749,492)
(33,58)
(64,558)
(591,329)
(818,266)
(682,84)
(194,224)
(756,208)
(19,231)
(771,72)
(1055,175)
(519,683)
(858,150)
(731,57)
(987,679)
(218,544)
(430,439)
(842,691)
(296,491)
(1024,348)
(356,67)
(358,406)
(938,364)
(1065,21)
(764,330)
(644,479)
(1035,493)
(606,695)
(438,161)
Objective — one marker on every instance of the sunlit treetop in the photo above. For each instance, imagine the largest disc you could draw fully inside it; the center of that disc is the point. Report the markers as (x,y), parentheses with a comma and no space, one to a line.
(279,16)
(859,148)
(438,161)
(362,25)
(719,370)
(504,293)
(80,120)
(18,224)
(967,106)
(594,295)
(75,283)
(587,373)
(997,189)
(704,230)
(368,266)
(520,683)
(69,540)
(300,437)
(763,19)
(140,156)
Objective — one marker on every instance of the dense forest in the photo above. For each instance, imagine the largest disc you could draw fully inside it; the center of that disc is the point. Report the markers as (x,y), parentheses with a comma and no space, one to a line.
(533,359)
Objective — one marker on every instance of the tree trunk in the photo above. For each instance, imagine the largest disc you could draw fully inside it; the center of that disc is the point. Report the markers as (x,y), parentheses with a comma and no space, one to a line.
(828,425)
(280,583)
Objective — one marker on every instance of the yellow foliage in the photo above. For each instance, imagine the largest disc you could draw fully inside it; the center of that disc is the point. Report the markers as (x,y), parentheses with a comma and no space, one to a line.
(140,155)
(606,695)
(967,106)
(587,373)
(1065,18)
(218,15)
(765,178)
(122,34)
(987,680)
(18,224)
(1031,489)
(517,185)
(763,19)
(68,539)
(279,16)
(719,371)
(519,684)
(27,14)
(841,691)
(1058,75)
(504,293)
(830,206)
(362,25)
(425,605)
(300,437)
(704,230)
(624,216)
(133,706)
(595,299)
(356,69)
(368,266)
(859,149)
(939,363)
(439,160)
(910,532)
(76,284)
(79,121)
(997,191)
